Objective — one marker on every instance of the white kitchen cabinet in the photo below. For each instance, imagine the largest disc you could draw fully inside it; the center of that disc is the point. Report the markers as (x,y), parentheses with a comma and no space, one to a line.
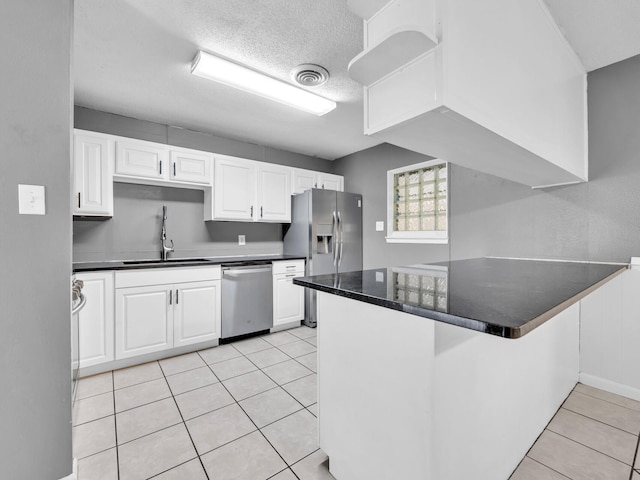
(159,309)
(288,299)
(273,193)
(329,181)
(234,192)
(144,320)
(190,167)
(249,191)
(192,318)
(303,180)
(92,174)
(95,320)
(138,159)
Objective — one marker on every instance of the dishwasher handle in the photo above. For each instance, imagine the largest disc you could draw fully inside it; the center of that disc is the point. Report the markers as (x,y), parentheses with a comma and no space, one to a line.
(236,271)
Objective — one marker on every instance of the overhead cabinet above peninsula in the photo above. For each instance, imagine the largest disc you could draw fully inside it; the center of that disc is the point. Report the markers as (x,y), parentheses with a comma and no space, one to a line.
(235,189)
(490,85)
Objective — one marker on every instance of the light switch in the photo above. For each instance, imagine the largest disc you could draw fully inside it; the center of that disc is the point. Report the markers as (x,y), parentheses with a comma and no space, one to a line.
(31,200)
(379,226)
(241,240)
(379,276)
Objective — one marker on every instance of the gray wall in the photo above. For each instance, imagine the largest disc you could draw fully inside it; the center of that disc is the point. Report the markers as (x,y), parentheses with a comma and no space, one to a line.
(35,352)
(134,230)
(598,220)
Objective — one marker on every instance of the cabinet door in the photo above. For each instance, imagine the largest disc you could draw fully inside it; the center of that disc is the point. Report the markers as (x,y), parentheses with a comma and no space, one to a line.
(95,322)
(234,189)
(197,312)
(141,159)
(274,193)
(143,320)
(331,182)
(93,184)
(191,167)
(288,299)
(303,180)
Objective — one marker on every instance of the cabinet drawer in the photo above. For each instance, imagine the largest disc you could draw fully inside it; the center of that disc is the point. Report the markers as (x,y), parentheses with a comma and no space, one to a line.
(162,276)
(288,266)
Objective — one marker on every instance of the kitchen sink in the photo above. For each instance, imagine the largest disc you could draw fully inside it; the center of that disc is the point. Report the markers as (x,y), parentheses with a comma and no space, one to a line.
(160,262)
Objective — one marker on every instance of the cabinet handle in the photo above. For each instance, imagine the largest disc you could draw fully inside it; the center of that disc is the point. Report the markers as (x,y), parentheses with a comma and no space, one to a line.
(315,185)
(170,297)
(260,212)
(292,275)
(174,169)
(78,199)
(323,186)
(160,167)
(177,298)
(251,211)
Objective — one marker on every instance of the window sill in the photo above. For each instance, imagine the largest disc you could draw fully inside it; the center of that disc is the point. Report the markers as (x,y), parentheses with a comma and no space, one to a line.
(416,240)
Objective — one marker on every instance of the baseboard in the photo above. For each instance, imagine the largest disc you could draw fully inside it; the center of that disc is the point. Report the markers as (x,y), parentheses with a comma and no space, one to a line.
(610,386)
(74,471)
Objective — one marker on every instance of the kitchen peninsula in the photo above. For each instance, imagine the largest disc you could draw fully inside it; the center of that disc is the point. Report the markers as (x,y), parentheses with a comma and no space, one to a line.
(461,364)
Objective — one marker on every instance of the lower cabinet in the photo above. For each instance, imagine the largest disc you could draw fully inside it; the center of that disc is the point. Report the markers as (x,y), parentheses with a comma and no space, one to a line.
(153,314)
(288,299)
(95,320)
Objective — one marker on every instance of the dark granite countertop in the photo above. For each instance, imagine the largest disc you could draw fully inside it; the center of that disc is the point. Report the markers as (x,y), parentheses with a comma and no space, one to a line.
(177,262)
(498,296)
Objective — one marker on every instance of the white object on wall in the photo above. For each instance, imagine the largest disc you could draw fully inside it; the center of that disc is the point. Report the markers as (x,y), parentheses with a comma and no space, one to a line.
(31,200)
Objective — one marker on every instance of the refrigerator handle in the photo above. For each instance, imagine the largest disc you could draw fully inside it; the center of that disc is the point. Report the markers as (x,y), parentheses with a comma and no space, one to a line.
(334,232)
(340,241)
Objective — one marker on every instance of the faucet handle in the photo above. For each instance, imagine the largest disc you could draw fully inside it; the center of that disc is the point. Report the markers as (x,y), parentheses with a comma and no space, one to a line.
(171,248)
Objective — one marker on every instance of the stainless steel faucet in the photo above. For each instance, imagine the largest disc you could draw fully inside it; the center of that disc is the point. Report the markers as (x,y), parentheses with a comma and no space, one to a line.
(165,249)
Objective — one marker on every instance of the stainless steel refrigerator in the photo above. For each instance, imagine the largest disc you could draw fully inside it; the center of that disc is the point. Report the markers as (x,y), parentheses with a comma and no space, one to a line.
(326,228)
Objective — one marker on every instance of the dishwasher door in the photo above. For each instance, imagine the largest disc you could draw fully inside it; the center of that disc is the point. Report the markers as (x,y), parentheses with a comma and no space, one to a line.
(247,299)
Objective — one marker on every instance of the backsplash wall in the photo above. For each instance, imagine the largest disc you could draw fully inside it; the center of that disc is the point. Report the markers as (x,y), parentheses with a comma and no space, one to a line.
(134,230)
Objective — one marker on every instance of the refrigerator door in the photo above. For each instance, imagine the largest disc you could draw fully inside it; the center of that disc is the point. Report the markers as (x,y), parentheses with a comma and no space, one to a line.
(349,231)
(323,232)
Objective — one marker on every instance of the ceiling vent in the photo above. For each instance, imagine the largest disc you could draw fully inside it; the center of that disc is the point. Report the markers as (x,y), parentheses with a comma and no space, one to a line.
(309,75)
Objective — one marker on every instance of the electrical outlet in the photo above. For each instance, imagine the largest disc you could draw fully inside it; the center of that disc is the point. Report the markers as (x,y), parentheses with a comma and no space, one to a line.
(379,226)
(241,240)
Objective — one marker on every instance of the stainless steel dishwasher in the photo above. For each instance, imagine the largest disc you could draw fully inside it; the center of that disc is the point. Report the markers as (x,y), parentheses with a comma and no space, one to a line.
(247,298)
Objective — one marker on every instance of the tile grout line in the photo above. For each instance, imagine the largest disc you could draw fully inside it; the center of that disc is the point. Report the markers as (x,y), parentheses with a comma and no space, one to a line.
(185,423)
(635,457)
(587,446)
(546,466)
(115,424)
(608,401)
(591,418)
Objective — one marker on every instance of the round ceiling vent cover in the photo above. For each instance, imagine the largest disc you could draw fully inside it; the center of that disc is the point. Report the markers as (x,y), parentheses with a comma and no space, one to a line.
(309,75)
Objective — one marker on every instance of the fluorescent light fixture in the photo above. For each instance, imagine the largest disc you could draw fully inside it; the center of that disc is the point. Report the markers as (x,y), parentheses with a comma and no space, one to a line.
(220,70)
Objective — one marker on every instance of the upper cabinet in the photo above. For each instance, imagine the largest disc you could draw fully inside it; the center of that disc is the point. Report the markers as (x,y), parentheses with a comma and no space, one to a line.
(490,85)
(235,189)
(138,161)
(141,160)
(303,180)
(191,167)
(92,175)
(249,191)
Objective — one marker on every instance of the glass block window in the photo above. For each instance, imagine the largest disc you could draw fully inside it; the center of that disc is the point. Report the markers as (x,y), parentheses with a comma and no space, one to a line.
(418,207)
(423,289)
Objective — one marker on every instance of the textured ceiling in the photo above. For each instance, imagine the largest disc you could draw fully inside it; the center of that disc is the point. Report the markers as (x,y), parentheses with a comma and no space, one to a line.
(132,57)
(601,32)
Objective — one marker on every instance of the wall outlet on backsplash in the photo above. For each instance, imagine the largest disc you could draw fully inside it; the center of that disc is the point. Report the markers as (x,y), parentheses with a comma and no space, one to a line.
(241,240)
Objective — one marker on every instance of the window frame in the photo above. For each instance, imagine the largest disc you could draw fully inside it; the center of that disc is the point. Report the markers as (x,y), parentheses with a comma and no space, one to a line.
(393,236)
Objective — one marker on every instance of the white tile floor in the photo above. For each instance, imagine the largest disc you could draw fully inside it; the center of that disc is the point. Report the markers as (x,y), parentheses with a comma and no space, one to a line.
(247,411)
(240,411)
